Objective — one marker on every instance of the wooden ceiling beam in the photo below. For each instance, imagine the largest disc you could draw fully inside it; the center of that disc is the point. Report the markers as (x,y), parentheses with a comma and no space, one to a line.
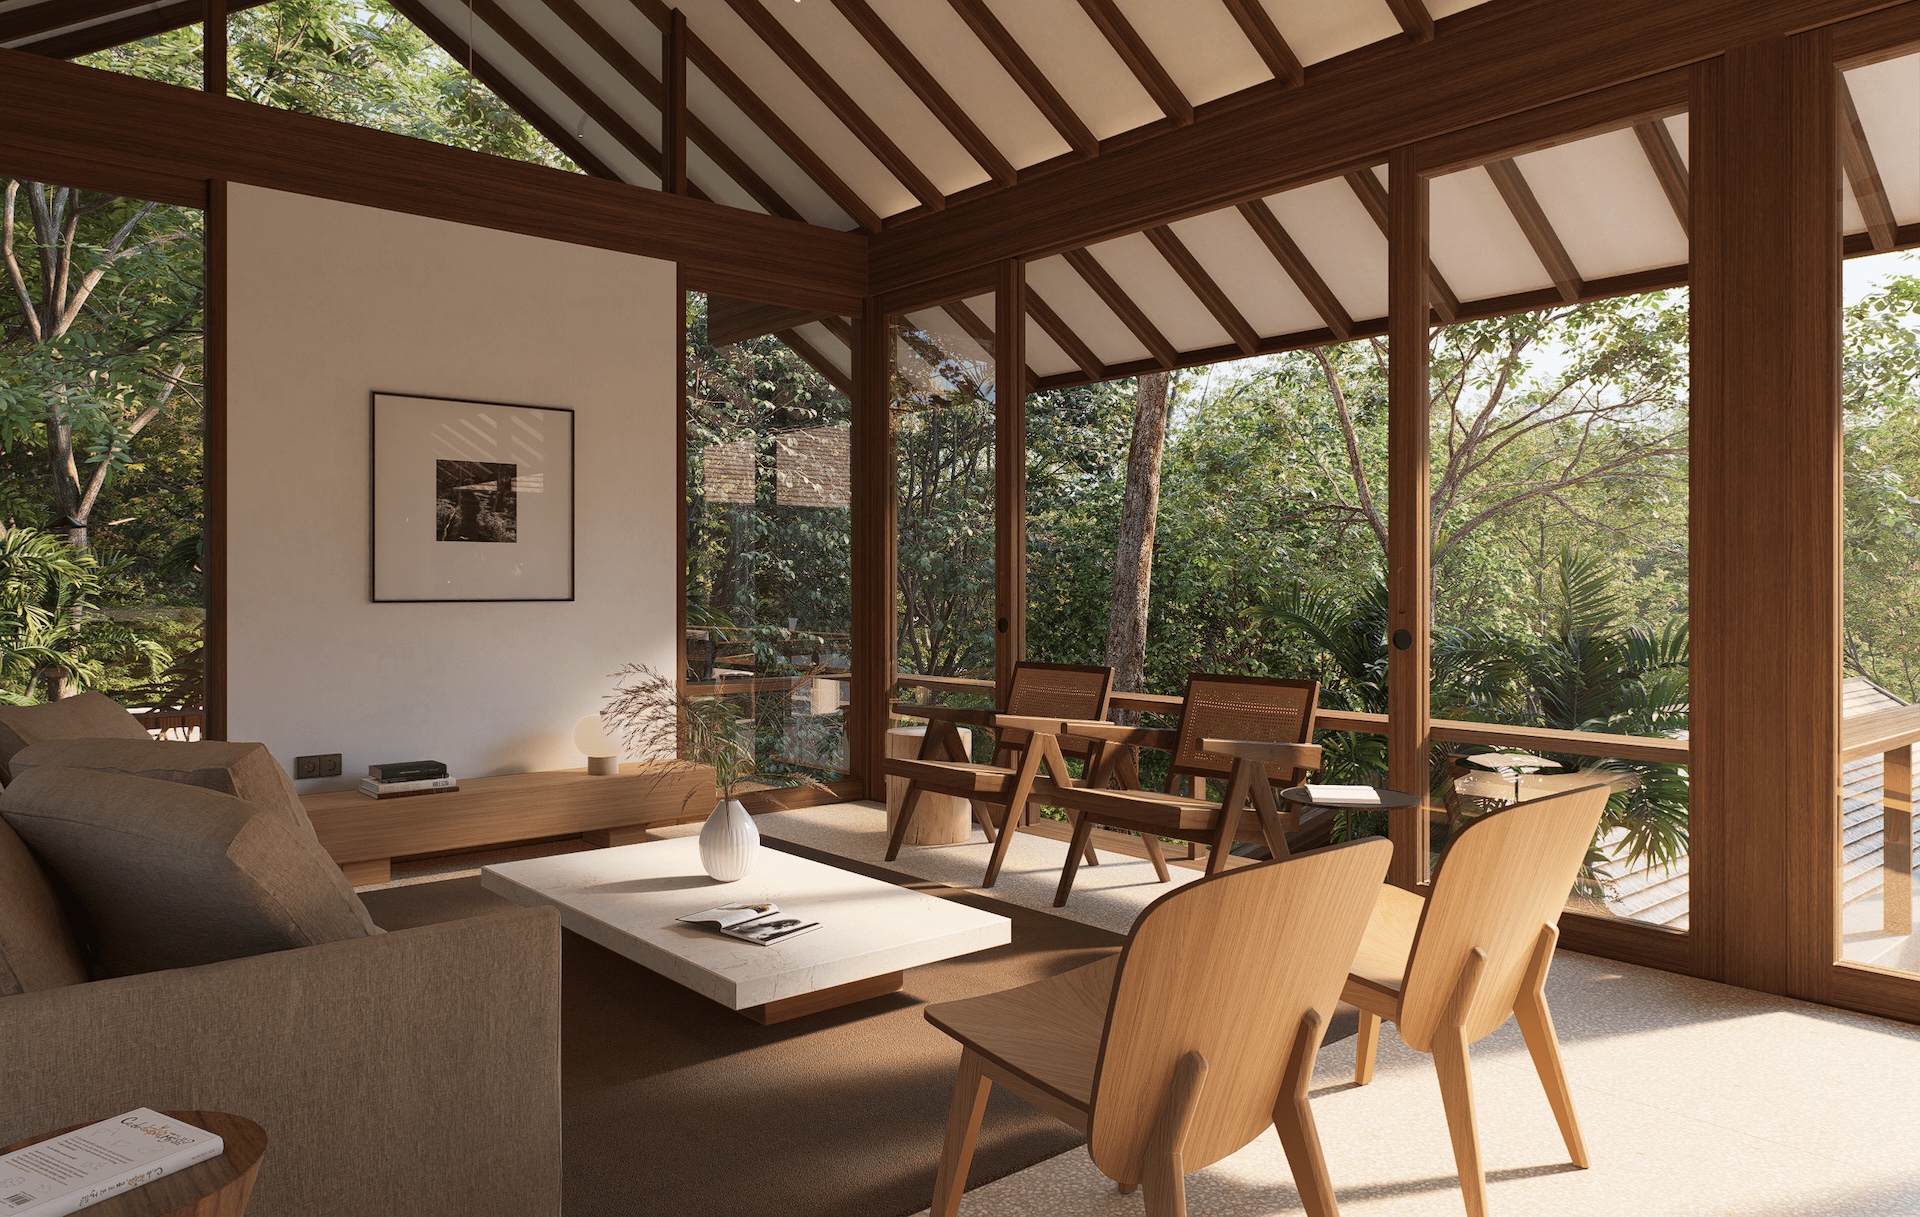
(1863,175)
(1203,285)
(606,45)
(817,360)
(1656,140)
(1258,26)
(914,75)
(1288,254)
(557,133)
(1053,326)
(1140,59)
(1414,18)
(836,99)
(1032,81)
(763,116)
(53,15)
(1547,246)
(99,37)
(1123,307)
(1366,186)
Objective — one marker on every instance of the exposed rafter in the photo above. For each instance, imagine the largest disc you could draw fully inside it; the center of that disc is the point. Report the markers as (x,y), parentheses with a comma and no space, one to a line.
(1533,222)
(1366,186)
(1123,307)
(556,132)
(817,359)
(1032,81)
(836,99)
(621,60)
(1413,18)
(1063,336)
(887,45)
(1140,59)
(763,116)
(117,32)
(1201,283)
(1864,176)
(1265,36)
(58,14)
(974,325)
(1657,142)
(673,106)
(1281,245)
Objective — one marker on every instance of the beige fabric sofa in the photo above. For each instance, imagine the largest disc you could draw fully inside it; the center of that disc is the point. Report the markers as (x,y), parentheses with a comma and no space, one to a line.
(410,1072)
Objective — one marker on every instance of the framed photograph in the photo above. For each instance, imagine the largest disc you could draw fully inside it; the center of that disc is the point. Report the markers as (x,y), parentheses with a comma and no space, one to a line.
(472,500)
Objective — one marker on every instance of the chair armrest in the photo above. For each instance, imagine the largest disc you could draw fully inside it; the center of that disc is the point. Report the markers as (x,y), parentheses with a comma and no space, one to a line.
(1083,728)
(412,1072)
(951,714)
(1297,756)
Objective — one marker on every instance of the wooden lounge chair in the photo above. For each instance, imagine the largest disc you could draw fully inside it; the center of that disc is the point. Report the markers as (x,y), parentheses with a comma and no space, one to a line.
(1074,691)
(1184,1047)
(1448,969)
(1242,731)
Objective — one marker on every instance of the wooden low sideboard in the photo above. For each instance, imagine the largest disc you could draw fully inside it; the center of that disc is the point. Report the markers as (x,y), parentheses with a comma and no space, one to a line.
(364,835)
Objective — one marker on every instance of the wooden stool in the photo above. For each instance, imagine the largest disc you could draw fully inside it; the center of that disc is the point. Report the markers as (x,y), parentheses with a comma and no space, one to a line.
(941,819)
(218,1187)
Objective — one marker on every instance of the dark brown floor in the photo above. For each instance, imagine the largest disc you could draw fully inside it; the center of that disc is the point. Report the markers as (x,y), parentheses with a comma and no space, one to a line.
(676,1106)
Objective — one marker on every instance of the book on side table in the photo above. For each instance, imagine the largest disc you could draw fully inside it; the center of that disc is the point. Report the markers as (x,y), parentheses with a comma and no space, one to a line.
(78,1169)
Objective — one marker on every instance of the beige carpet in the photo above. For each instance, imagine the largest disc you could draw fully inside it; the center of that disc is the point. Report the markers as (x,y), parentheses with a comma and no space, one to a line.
(1695,1099)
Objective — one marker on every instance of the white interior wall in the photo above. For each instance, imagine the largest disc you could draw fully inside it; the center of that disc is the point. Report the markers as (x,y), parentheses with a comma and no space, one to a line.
(329,302)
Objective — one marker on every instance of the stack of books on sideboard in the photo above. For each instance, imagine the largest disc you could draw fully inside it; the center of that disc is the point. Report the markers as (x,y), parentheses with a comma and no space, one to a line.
(402,778)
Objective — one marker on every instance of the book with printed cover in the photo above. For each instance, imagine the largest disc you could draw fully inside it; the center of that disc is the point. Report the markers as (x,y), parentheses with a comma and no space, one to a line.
(75,1170)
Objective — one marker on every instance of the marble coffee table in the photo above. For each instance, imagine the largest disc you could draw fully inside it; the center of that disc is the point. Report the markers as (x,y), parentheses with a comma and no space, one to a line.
(627,898)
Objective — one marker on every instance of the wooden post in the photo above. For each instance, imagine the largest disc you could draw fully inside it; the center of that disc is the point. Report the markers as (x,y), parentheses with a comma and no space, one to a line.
(213,456)
(1409,548)
(680,513)
(873,517)
(1765,517)
(1010,472)
(213,48)
(673,111)
(1896,858)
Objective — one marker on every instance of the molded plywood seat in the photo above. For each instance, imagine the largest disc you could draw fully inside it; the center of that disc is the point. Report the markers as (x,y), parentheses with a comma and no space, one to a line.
(1184,1047)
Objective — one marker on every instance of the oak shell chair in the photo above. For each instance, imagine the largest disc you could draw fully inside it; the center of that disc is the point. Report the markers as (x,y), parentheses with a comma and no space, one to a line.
(1184,1047)
(1241,731)
(1449,968)
(1046,690)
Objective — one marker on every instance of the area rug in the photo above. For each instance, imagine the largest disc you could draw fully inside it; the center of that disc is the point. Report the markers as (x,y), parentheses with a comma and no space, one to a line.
(675,1105)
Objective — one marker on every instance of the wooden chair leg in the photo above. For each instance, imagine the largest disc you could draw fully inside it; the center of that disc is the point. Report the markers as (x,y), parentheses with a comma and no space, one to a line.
(984,819)
(1293,1120)
(963,1133)
(1002,845)
(1456,1087)
(1157,856)
(1082,833)
(1366,1045)
(909,804)
(1030,762)
(1165,1175)
(1536,1027)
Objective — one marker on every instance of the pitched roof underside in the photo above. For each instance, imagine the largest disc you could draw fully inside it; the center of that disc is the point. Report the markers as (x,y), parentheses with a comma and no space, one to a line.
(857,114)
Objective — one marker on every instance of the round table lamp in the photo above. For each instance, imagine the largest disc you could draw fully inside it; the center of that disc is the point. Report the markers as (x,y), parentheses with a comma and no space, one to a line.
(603,754)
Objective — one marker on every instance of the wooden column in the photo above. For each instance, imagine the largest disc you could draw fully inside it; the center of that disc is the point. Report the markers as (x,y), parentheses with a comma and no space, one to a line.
(213,456)
(673,109)
(1409,547)
(213,48)
(680,509)
(1765,516)
(1010,471)
(873,516)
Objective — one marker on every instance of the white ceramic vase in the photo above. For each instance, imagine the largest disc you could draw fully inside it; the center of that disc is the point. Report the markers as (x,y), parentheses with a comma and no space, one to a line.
(728,842)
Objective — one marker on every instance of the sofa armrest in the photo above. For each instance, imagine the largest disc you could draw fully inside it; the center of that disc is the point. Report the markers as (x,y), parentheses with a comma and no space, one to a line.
(413,1072)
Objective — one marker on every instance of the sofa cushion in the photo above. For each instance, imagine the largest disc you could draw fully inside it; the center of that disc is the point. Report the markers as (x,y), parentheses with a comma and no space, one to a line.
(38,948)
(88,716)
(169,875)
(245,771)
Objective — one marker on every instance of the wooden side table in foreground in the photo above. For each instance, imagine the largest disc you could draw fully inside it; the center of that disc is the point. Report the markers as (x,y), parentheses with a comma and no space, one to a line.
(218,1187)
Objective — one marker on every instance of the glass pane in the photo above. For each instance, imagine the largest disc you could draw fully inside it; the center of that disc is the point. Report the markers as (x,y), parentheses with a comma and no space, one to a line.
(769,586)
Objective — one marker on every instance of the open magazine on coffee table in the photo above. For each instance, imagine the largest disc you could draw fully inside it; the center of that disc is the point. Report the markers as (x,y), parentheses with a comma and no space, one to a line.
(762,924)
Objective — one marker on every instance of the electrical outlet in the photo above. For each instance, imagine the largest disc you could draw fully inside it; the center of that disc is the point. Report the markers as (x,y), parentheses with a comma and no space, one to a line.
(324,765)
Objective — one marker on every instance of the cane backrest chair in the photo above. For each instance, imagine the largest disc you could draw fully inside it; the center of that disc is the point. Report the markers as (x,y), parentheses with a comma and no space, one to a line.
(1243,708)
(1449,969)
(1197,1036)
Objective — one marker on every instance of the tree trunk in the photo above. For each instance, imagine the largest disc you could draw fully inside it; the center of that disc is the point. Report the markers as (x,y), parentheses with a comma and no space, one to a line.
(1133,559)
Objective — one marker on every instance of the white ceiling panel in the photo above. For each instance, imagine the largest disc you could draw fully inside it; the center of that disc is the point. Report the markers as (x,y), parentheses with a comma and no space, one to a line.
(1477,244)
(586,65)
(1888,98)
(822,340)
(1317,29)
(1077,60)
(857,68)
(1044,355)
(1240,263)
(967,70)
(1200,45)
(1159,292)
(1334,231)
(1680,126)
(751,144)
(1088,316)
(1606,205)
(1447,8)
